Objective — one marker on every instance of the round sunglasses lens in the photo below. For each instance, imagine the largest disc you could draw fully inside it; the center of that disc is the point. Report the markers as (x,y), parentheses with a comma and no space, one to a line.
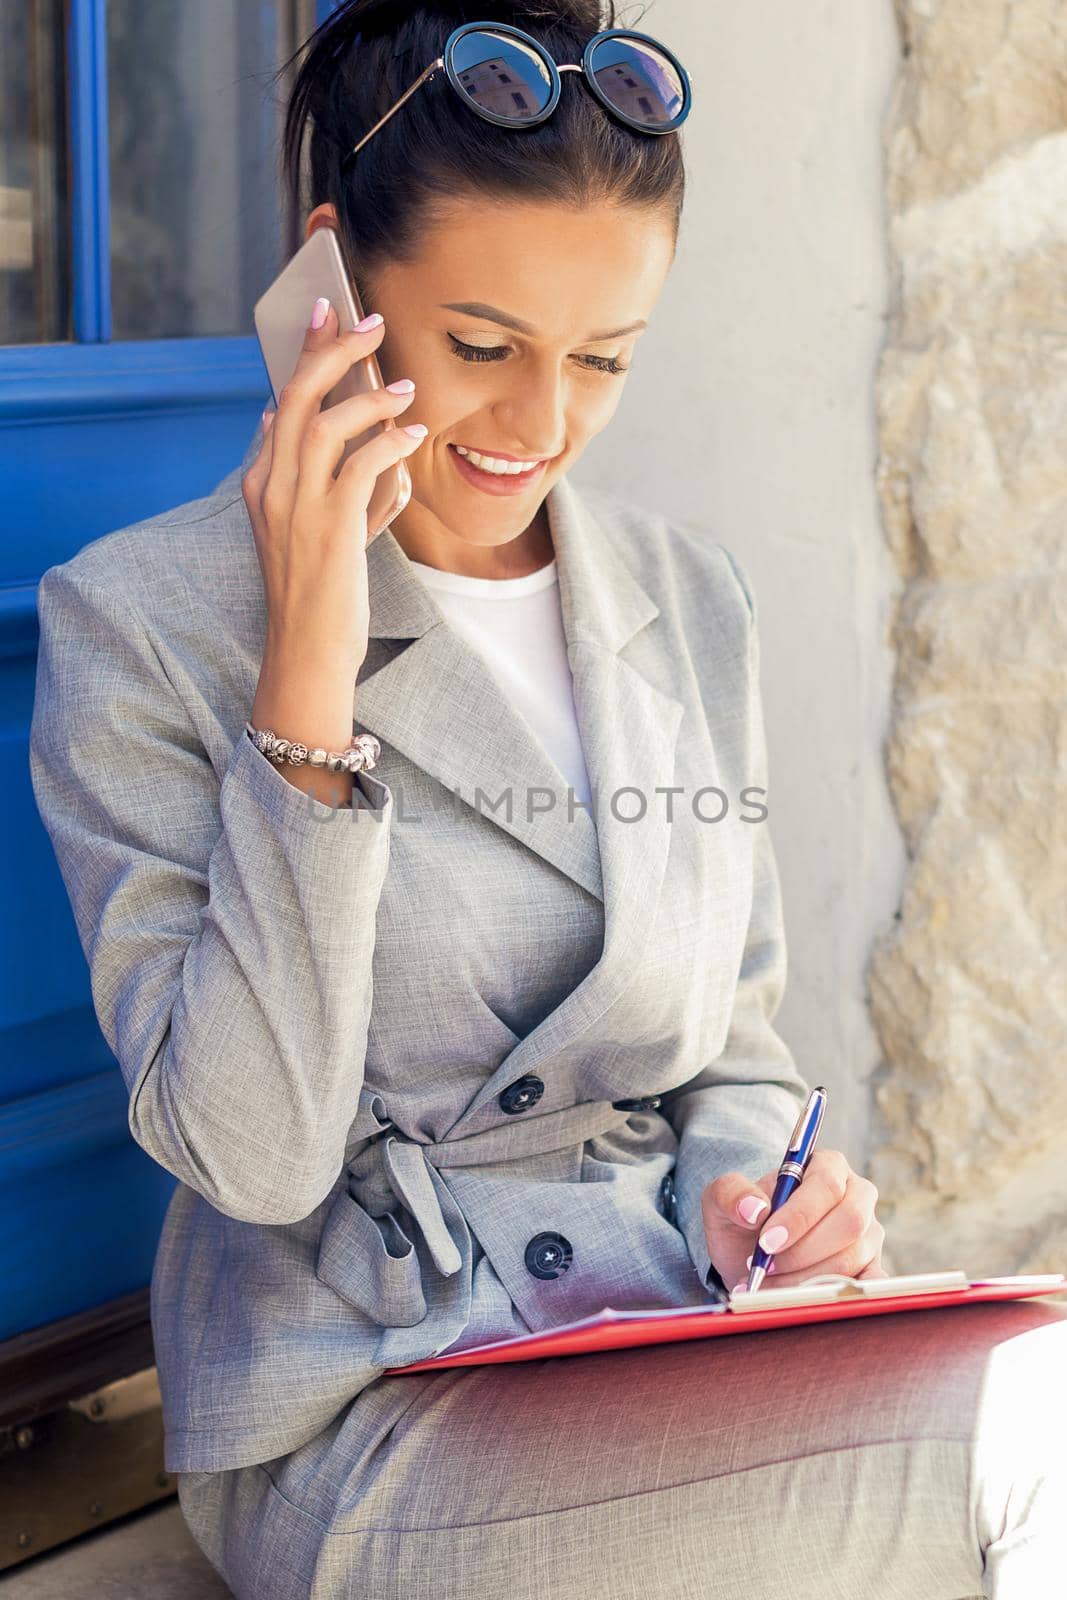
(639,80)
(502,75)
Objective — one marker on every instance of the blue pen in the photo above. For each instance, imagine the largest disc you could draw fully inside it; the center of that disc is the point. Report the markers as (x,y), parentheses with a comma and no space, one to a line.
(790,1174)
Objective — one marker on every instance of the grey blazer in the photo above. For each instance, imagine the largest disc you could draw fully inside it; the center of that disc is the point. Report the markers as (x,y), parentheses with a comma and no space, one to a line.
(391,1053)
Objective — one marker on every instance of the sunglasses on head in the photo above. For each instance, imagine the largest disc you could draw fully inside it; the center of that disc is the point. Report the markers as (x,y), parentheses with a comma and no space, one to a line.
(508,78)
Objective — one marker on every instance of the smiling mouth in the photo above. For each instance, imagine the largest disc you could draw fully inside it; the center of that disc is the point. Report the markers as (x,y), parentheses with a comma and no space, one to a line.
(508,467)
(501,482)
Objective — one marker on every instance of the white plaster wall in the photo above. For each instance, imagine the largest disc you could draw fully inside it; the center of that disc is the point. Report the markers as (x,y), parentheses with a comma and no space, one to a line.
(752,417)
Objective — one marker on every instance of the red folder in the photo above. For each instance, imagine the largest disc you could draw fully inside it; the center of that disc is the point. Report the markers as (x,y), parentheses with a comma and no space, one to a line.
(842,1297)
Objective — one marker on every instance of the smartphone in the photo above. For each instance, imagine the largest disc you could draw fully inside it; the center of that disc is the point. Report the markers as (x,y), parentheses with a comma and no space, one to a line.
(281,316)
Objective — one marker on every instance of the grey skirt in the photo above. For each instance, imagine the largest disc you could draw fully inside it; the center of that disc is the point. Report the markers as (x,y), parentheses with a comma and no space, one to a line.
(917,1456)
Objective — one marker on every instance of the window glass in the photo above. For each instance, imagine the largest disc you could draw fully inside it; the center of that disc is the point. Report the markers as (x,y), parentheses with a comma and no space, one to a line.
(198,224)
(34,211)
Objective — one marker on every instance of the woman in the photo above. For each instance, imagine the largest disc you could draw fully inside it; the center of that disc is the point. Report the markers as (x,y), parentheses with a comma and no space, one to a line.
(478,1038)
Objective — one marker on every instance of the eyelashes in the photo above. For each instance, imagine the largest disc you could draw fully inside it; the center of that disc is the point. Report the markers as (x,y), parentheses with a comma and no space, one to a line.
(473,352)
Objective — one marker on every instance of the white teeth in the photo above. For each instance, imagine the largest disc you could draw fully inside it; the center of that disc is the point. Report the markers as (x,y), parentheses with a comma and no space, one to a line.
(493,464)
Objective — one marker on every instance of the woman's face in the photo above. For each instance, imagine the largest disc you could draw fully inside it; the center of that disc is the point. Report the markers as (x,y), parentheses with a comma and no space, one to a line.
(512,323)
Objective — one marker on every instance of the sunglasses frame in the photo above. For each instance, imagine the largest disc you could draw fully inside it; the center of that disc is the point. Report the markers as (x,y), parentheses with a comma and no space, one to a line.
(445,62)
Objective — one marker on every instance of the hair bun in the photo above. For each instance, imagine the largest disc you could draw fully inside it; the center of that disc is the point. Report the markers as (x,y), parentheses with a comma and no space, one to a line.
(585,16)
(582,15)
(354,20)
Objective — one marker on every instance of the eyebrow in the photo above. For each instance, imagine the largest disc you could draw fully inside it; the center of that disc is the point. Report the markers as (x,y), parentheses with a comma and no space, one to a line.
(476,308)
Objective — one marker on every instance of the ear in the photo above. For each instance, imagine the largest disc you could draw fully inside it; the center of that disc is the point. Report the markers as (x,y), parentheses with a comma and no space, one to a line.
(323,216)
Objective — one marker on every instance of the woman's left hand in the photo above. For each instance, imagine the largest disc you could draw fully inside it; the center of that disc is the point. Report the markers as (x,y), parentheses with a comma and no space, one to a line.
(829,1223)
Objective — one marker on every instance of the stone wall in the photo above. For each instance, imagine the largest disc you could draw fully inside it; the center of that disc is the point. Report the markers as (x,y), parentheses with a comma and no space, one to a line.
(968,991)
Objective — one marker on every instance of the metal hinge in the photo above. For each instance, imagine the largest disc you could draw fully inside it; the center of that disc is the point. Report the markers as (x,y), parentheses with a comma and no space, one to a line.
(126,1397)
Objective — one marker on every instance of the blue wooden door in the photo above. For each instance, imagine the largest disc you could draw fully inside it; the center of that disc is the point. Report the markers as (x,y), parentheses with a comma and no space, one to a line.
(140,218)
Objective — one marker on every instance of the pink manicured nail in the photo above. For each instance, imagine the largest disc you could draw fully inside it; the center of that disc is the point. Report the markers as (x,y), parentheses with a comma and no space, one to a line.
(418,430)
(738,1286)
(751,1208)
(401,386)
(773,1238)
(319,312)
(374,320)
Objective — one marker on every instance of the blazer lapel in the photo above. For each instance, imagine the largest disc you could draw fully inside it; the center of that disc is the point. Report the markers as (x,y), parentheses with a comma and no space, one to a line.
(629,730)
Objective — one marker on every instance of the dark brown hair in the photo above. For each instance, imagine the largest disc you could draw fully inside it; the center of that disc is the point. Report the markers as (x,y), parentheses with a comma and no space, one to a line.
(364,56)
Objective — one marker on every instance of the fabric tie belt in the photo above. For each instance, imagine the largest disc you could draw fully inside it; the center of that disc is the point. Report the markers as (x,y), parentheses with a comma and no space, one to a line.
(386,1165)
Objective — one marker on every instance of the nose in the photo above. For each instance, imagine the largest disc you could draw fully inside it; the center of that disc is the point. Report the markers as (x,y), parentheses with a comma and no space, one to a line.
(533,412)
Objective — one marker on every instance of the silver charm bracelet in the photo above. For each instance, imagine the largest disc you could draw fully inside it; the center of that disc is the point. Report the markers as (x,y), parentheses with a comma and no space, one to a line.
(360,756)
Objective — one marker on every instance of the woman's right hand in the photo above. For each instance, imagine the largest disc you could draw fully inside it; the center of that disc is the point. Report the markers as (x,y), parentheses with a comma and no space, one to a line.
(310,528)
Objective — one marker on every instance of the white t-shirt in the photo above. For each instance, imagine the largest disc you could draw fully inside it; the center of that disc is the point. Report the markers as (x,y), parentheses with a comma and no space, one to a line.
(516,626)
